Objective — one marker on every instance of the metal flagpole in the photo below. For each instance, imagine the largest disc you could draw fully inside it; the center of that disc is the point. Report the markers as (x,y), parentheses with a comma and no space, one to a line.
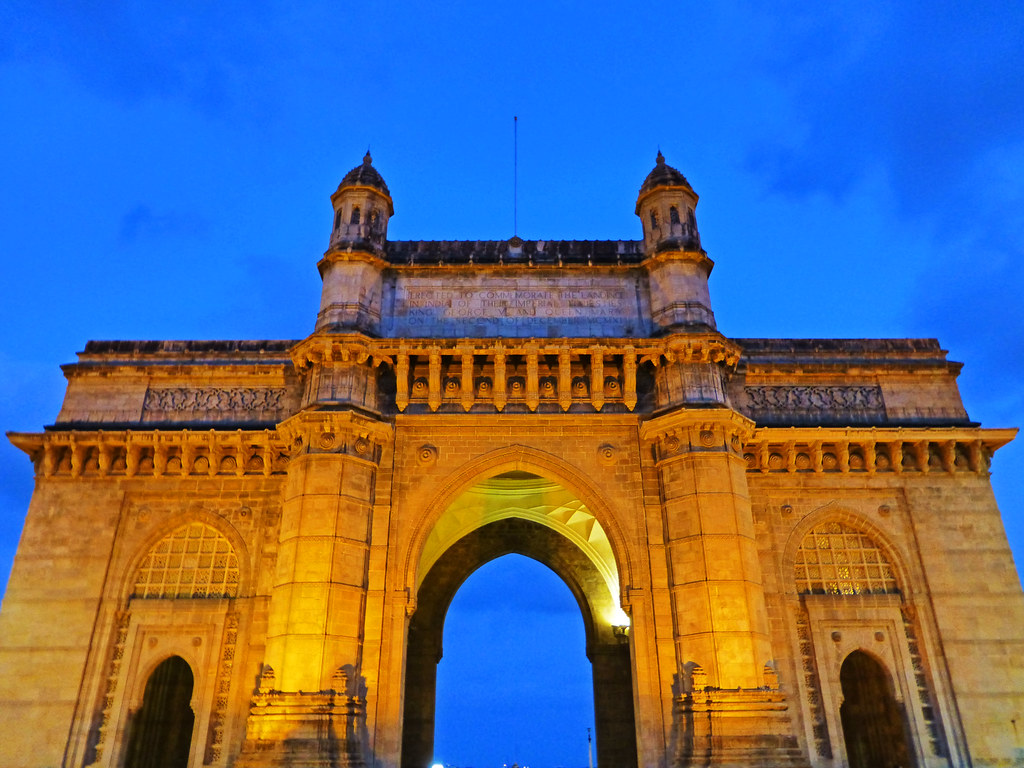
(515,175)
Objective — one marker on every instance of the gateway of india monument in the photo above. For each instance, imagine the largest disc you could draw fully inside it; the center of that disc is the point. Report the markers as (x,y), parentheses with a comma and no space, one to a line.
(786,552)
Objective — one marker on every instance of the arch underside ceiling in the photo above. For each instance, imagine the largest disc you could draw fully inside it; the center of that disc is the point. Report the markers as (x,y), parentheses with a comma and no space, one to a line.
(536,500)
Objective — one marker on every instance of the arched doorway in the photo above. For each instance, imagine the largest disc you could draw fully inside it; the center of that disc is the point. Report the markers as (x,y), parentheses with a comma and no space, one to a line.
(161,731)
(519,513)
(873,724)
(514,685)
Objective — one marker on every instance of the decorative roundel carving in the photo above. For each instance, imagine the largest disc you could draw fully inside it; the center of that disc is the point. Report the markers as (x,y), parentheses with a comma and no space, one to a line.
(837,636)
(201,464)
(547,387)
(885,510)
(328,440)
(734,441)
(152,642)
(671,443)
(244,512)
(451,387)
(751,460)
(879,636)
(419,387)
(426,456)
(776,462)
(611,386)
(197,641)
(174,464)
(787,510)
(606,454)
(142,513)
(856,461)
(362,445)
(516,386)
(829,462)
(228,464)
(803,461)
(707,438)
(882,460)
(484,387)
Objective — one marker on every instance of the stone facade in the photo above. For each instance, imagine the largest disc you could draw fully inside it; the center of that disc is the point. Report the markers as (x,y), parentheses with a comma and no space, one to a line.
(785,552)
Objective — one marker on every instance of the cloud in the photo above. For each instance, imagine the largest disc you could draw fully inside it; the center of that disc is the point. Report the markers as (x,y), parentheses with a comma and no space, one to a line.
(923,91)
(141,223)
(136,51)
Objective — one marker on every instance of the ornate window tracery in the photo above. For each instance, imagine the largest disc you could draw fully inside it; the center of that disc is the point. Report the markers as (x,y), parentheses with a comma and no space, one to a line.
(194,560)
(837,559)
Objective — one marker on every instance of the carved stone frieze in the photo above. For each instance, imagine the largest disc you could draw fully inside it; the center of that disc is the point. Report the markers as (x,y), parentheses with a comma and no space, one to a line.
(192,403)
(815,403)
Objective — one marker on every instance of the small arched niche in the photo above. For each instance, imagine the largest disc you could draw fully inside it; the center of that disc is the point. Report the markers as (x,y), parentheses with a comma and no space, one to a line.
(874,726)
(160,732)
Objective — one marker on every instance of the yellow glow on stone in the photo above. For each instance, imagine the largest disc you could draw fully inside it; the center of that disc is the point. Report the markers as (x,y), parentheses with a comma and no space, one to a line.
(538,500)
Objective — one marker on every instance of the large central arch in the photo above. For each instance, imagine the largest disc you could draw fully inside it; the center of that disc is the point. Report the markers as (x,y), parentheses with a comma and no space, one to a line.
(502,516)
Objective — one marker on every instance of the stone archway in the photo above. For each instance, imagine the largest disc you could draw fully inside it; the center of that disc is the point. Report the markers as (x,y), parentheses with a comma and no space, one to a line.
(161,731)
(874,727)
(583,572)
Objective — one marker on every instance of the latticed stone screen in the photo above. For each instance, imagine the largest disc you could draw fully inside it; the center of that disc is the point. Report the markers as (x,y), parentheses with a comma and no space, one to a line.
(192,561)
(835,559)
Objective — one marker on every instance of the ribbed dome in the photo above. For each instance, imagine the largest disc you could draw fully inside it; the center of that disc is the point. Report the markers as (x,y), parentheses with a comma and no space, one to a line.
(664,175)
(365,175)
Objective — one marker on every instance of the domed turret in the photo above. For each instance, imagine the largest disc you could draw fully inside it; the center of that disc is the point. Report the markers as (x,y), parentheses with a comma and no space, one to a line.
(362,206)
(351,268)
(666,206)
(677,266)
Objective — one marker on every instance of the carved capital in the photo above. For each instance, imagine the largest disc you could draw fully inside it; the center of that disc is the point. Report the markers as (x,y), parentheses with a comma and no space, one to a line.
(338,432)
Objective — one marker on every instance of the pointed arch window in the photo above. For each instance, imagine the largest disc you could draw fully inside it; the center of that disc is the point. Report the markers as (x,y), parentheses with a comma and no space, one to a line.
(837,559)
(194,560)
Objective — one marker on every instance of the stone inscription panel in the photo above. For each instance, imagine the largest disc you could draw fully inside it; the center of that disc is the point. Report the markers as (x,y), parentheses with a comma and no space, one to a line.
(517,306)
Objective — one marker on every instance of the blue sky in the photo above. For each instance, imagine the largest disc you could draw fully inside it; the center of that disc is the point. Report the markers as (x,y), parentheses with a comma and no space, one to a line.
(165,168)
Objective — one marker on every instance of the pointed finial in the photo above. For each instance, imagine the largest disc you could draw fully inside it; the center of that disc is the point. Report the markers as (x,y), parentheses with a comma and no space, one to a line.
(660,159)
(367,160)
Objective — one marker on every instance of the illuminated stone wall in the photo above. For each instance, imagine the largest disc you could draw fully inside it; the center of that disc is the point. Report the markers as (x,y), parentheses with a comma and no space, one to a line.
(735,517)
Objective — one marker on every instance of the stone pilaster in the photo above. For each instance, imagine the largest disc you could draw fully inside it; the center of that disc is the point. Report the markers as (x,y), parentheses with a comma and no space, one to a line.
(311,707)
(717,596)
(680,299)
(351,298)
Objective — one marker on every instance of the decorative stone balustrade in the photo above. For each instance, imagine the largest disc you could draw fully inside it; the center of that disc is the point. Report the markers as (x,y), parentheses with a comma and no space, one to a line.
(871,451)
(494,373)
(155,453)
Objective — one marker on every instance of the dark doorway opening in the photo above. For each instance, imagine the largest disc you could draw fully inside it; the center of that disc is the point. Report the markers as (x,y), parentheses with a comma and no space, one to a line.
(874,726)
(160,733)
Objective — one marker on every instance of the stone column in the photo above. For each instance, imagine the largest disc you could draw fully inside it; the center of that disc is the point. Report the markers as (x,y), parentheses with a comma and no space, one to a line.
(614,715)
(717,597)
(313,709)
